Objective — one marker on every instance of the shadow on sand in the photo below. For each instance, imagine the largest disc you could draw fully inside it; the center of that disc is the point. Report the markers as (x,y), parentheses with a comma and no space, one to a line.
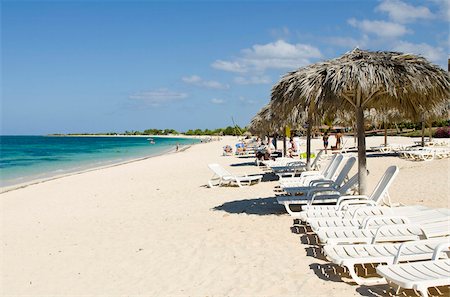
(258,206)
(243,164)
(329,272)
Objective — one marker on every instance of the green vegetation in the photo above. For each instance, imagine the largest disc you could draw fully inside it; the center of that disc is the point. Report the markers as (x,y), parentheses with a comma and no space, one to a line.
(153,132)
(216,132)
(220,131)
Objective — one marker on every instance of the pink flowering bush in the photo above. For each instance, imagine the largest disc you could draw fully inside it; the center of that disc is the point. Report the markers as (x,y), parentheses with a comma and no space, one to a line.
(442,132)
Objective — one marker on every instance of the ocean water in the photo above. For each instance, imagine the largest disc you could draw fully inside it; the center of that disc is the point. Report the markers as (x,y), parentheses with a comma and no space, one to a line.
(27,158)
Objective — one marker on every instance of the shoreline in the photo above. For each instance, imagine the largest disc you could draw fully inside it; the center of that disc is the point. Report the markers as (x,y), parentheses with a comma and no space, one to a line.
(123,135)
(50,177)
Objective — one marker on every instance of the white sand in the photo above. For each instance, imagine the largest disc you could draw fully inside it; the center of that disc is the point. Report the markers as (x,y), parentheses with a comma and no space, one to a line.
(151,228)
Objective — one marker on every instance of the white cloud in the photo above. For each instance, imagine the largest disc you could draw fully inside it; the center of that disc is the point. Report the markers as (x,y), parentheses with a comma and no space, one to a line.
(280,33)
(402,12)
(435,54)
(157,97)
(192,79)
(275,55)
(217,101)
(443,10)
(246,101)
(198,81)
(379,28)
(252,80)
(229,66)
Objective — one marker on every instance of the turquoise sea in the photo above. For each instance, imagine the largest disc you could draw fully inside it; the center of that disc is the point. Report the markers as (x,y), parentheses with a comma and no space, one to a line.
(27,158)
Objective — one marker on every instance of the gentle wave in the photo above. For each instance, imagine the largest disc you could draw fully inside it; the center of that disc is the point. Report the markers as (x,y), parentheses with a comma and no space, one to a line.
(26,158)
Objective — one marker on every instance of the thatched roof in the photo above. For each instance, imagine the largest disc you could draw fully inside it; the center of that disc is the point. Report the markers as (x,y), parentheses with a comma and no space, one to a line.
(368,79)
(360,80)
(268,120)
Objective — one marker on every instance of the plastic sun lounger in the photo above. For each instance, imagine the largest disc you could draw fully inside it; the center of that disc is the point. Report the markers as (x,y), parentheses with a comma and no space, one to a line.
(359,254)
(294,167)
(222,176)
(367,216)
(433,223)
(379,194)
(318,194)
(306,176)
(290,177)
(419,275)
(336,183)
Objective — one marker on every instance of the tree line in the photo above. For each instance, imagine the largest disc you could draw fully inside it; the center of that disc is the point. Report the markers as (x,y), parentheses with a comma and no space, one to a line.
(230,130)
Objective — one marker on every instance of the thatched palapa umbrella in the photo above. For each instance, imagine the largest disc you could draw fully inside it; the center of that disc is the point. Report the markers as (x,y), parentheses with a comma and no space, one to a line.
(268,120)
(360,80)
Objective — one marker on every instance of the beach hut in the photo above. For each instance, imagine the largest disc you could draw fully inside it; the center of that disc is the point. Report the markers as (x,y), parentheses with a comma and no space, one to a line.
(360,80)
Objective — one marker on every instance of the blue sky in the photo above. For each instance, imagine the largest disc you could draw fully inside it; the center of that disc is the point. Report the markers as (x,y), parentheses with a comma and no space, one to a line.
(100,66)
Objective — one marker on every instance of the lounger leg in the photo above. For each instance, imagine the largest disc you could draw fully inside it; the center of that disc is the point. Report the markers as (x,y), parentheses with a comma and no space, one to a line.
(239,183)
(423,291)
(289,210)
(362,281)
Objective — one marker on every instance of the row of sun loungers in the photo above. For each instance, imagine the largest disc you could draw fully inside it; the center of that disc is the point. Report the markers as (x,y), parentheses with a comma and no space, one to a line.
(415,153)
(424,154)
(409,245)
(351,245)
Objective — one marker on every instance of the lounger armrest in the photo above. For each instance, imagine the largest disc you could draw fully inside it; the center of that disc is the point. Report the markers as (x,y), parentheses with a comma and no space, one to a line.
(321,191)
(387,227)
(283,175)
(445,246)
(351,197)
(329,195)
(445,241)
(321,183)
(368,220)
(355,202)
(309,173)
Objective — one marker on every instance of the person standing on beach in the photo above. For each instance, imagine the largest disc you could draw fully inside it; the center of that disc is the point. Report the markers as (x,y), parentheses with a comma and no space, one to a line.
(338,139)
(325,141)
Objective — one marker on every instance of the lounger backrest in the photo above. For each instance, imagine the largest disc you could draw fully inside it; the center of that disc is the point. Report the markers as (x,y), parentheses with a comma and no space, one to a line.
(334,167)
(345,170)
(326,168)
(353,181)
(383,185)
(316,160)
(219,170)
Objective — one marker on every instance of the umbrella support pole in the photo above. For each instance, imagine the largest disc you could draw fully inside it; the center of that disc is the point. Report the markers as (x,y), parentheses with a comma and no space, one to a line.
(308,146)
(423,133)
(362,162)
(385,134)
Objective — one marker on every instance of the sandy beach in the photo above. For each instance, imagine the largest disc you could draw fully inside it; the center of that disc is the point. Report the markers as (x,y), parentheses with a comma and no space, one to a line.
(153,228)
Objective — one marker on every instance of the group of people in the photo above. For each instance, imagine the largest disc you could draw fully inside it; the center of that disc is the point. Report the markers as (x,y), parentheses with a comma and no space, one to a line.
(338,137)
(264,149)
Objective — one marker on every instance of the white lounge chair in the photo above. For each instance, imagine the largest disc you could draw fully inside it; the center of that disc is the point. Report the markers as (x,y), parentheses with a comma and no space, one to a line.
(349,255)
(290,169)
(368,216)
(294,188)
(222,176)
(306,176)
(419,275)
(318,194)
(436,225)
(379,194)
